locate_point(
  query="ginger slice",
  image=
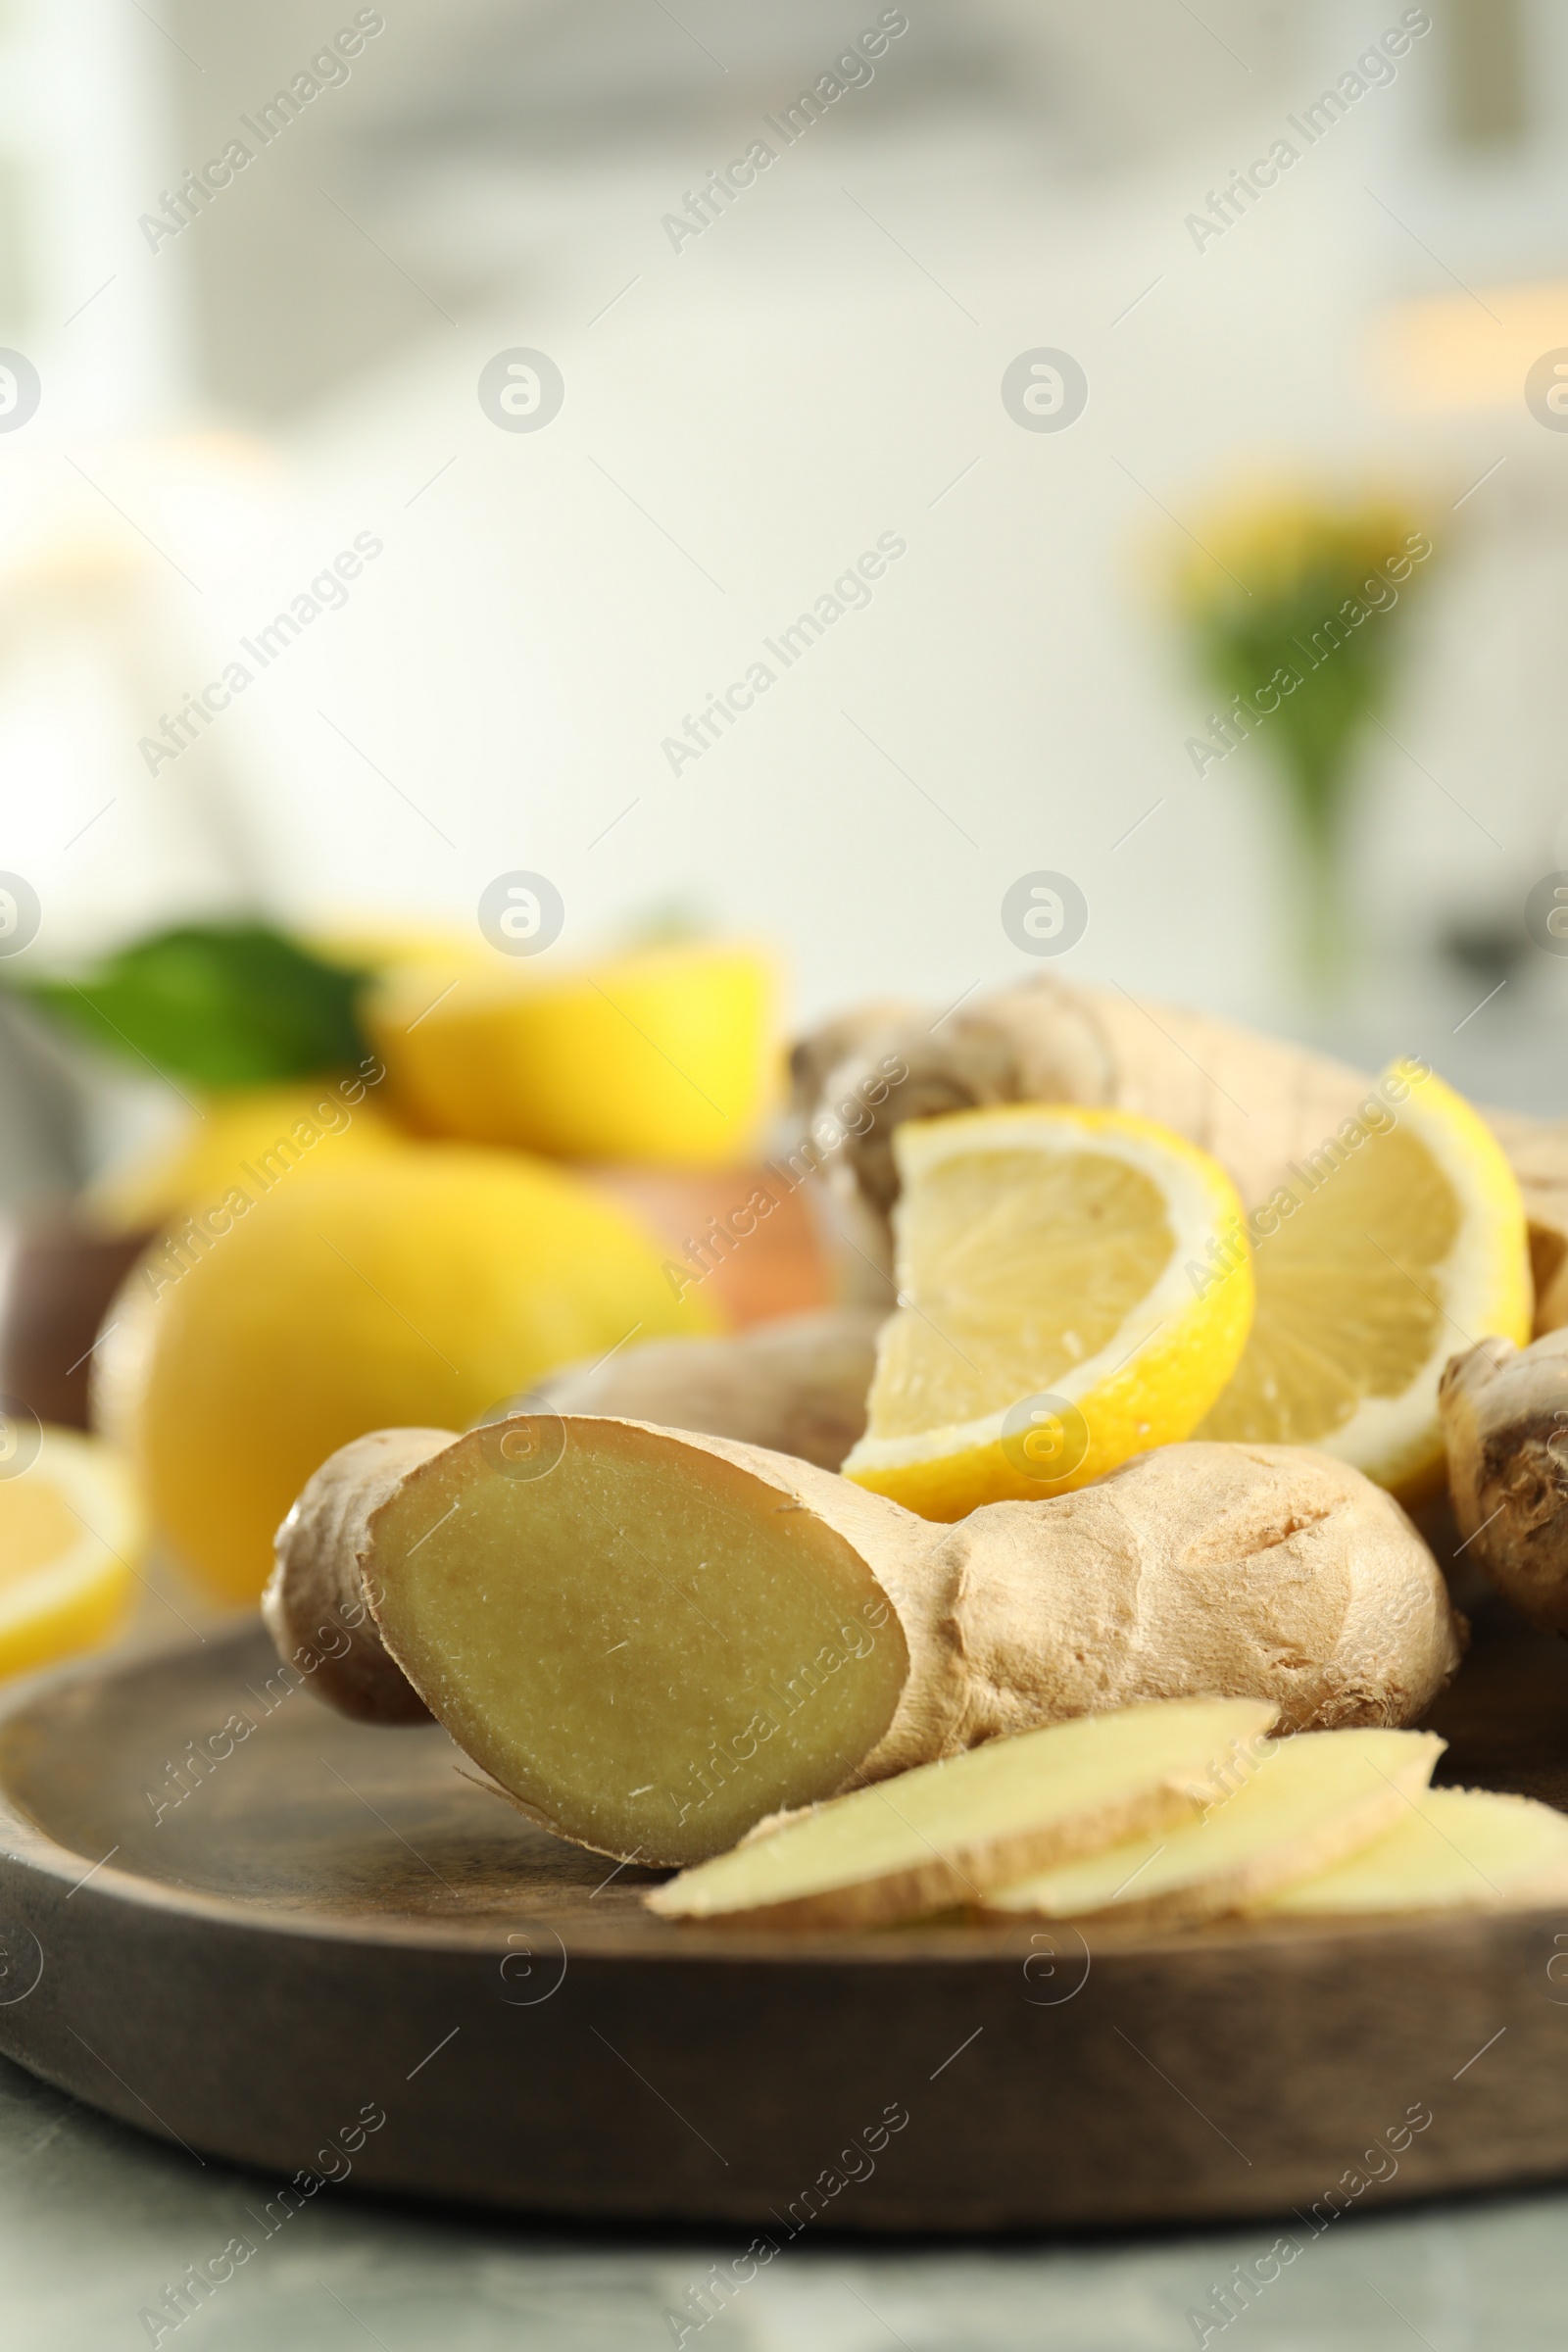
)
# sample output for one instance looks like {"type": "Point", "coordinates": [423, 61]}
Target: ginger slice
{"type": "Point", "coordinates": [1452, 1849]}
{"type": "Point", "coordinates": [643, 1641]}
{"type": "Point", "coordinates": [1315, 1799]}
{"type": "Point", "coordinates": [945, 1832]}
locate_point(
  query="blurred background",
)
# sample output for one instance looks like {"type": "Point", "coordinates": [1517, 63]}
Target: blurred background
{"type": "Point", "coordinates": [226, 399]}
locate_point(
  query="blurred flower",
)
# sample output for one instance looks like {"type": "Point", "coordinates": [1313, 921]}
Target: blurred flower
{"type": "Point", "coordinates": [1290, 603]}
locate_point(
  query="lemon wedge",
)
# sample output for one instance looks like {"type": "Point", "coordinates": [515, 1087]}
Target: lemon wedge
{"type": "Point", "coordinates": [69, 1535]}
{"type": "Point", "coordinates": [1385, 1252]}
{"type": "Point", "coordinates": [666, 1057]}
{"type": "Point", "coordinates": [1073, 1289]}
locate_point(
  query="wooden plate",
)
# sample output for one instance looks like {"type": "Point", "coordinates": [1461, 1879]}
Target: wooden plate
{"type": "Point", "coordinates": [332, 1927]}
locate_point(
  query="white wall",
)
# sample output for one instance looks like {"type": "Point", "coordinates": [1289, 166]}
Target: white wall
{"type": "Point", "coordinates": [795, 382]}
{"type": "Point", "coordinates": [776, 395]}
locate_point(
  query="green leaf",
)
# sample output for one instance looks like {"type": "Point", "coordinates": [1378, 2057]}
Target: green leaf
{"type": "Point", "coordinates": [222, 1004]}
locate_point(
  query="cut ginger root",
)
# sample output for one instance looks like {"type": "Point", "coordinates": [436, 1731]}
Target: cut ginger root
{"type": "Point", "coordinates": [941, 1835]}
{"type": "Point", "coordinates": [645, 1640]}
{"type": "Point", "coordinates": [650, 1640]}
{"type": "Point", "coordinates": [1310, 1803]}
{"type": "Point", "coordinates": [1452, 1849]}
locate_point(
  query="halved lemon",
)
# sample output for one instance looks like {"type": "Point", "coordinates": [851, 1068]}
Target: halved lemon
{"type": "Point", "coordinates": [1073, 1289]}
{"type": "Point", "coordinates": [1397, 1243]}
{"type": "Point", "coordinates": [71, 1533]}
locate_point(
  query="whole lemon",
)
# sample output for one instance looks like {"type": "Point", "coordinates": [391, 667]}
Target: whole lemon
{"type": "Point", "coordinates": [246, 1136]}
{"type": "Point", "coordinates": [417, 1290]}
{"type": "Point", "coordinates": [667, 1057]}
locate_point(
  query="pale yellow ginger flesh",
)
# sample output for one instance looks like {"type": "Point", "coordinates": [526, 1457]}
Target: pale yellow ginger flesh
{"type": "Point", "coordinates": [652, 1640]}
{"type": "Point", "coordinates": [645, 1645]}
{"type": "Point", "coordinates": [1452, 1849]}
{"type": "Point", "coordinates": [945, 1832]}
{"type": "Point", "coordinates": [1273, 1817]}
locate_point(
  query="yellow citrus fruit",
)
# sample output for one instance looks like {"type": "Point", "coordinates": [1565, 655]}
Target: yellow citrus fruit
{"type": "Point", "coordinates": [1055, 1315]}
{"type": "Point", "coordinates": [419, 1289]}
{"type": "Point", "coordinates": [669, 1055]}
{"type": "Point", "coordinates": [248, 1139]}
{"type": "Point", "coordinates": [1396, 1245]}
{"type": "Point", "coordinates": [70, 1537]}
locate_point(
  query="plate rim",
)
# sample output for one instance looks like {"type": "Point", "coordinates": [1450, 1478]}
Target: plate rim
{"type": "Point", "coordinates": [26, 1845]}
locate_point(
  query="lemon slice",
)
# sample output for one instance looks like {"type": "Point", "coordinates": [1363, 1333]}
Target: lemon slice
{"type": "Point", "coordinates": [1397, 1243]}
{"type": "Point", "coordinates": [69, 1535]}
{"type": "Point", "coordinates": [664, 1056]}
{"type": "Point", "coordinates": [1073, 1289]}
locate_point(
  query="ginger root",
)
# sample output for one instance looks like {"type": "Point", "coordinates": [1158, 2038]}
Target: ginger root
{"type": "Point", "coordinates": [1253, 1102]}
{"type": "Point", "coordinates": [318, 1604]}
{"type": "Point", "coordinates": [1504, 1414]}
{"type": "Point", "coordinates": [798, 1386]}
{"type": "Point", "coordinates": [653, 1639]}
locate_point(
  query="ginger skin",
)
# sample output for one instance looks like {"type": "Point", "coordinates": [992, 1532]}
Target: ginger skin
{"type": "Point", "coordinates": [316, 1599]}
{"type": "Point", "coordinates": [1199, 1570]}
{"type": "Point", "coordinates": [1504, 1414]}
{"type": "Point", "coordinates": [796, 1386]}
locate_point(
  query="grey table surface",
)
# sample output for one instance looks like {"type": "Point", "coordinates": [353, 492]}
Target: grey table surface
{"type": "Point", "coordinates": [96, 2221]}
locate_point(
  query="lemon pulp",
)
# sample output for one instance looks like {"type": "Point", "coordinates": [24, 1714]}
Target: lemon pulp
{"type": "Point", "coordinates": [1030, 1265]}
{"type": "Point", "coordinates": [1074, 1288]}
{"type": "Point", "coordinates": [1396, 1250]}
